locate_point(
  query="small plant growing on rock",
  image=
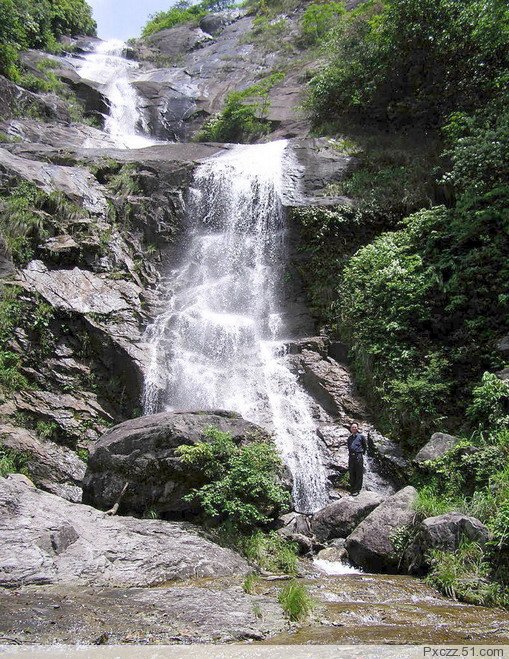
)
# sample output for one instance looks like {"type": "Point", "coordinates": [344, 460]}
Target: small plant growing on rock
{"type": "Point", "coordinates": [250, 583]}
{"type": "Point", "coordinates": [296, 601]}
{"type": "Point", "coordinates": [12, 462]}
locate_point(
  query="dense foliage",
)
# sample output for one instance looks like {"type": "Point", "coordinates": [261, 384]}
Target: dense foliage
{"type": "Point", "coordinates": [182, 12]}
{"type": "Point", "coordinates": [241, 486]}
{"type": "Point", "coordinates": [424, 300]}
{"type": "Point", "coordinates": [39, 24]}
{"type": "Point", "coordinates": [411, 60]}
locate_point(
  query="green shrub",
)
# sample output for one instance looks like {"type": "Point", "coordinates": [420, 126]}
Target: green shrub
{"type": "Point", "coordinates": [250, 583]}
{"type": "Point", "coordinates": [38, 24]}
{"type": "Point", "coordinates": [432, 501]}
{"type": "Point", "coordinates": [296, 601]}
{"type": "Point", "coordinates": [465, 575]}
{"type": "Point", "coordinates": [11, 378]}
{"type": "Point", "coordinates": [241, 486]}
{"type": "Point", "coordinates": [12, 462]}
{"type": "Point", "coordinates": [392, 60]}
{"type": "Point", "coordinates": [490, 406]}
{"type": "Point", "coordinates": [317, 19]}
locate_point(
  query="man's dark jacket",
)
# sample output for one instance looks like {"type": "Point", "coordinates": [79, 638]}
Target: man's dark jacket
{"type": "Point", "coordinates": [357, 443]}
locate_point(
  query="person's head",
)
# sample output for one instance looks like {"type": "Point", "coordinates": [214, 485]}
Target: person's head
{"type": "Point", "coordinates": [354, 428]}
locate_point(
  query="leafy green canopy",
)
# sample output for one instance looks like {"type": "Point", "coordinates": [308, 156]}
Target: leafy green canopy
{"type": "Point", "coordinates": [241, 486]}
{"type": "Point", "coordinates": [423, 306]}
{"type": "Point", "coordinates": [411, 60]}
{"type": "Point", "coordinates": [38, 24]}
{"type": "Point", "coordinates": [182, 12]}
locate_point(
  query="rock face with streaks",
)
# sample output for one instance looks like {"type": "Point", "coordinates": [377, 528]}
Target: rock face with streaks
{"type": "Point", "coordinates": [47, 540]}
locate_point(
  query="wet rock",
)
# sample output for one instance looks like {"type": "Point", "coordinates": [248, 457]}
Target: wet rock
{"type": "Point", "coordinates": [57, 135]}
{"type": "Point", "coordinates": [45, 540]}
{"type": "Point", "coordinates": [113, 308]}
{"type": "Point", "coordinates": [339, 519]}
{"type": "Point", "coordinates": [296, 528]}
{"type": "Point", "coordinates": [503, 374]}
{"type": "Point", "coordinates": [178, 40]}
{"type": "Point", "coordinates": [389, 457]}
{"type": "Point", "coordinates": [370, 546]}
{"type": "Point", "coordinates": [320, 165]}
{"type": "Point", "coordinates": [443, 532]}
{"type": "Point", "coordinates": [331, 384]}
{"type": "Point", "coordinates": [76, 183]}
{"type": "Point", "coordinates": [191, 614]}
{"type": "Point", "coordinates": [53, 468]}
{"type": "Point", "coordinates": [333, 554]}
{"type": "Point", "coordinates": [439, 444]}
{"type": "Point", "coordinates": [142, 453]}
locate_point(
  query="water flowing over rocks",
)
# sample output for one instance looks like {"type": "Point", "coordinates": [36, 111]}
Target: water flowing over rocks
{"type": "Point", "coordinates": [370, 546]}
{"type": "Point", "coordinates": [142, 453]}
{"type": "Point", "coordinates": [47, 540]}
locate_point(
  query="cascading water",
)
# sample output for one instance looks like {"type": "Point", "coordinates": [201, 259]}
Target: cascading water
{"type": "Point", "coordinates": [219, 342]}
{"type": "Point", "coordinates": [107, 66]}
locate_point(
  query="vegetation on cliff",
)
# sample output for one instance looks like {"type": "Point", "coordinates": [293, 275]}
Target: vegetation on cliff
{"type": "Point", "coordinates": [39, 24]}
{"type": "Point", "coordinates": [182, 12]}
{"type": "Point", "coordinates": [423, 304]}
{"type": "Point", "coordinates": [413, 275]}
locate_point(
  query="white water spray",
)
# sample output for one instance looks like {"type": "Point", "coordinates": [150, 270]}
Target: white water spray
{"type": "Point", "coordinates": [107, 66]}
{"type": "Point", "coordinates": [219, 343]}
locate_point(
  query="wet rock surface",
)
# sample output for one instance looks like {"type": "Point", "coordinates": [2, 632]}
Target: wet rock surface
{"type": "Point", "coordinates": [203, 64]}
{"type": "Point", "coordinates": [352, 609]}
{"type": "Point", "coordinates": [46, 540]}
{"type": "Point", "coordinates": [205, 613]}
{"type": "Point", "coordinates": [370, 546]}
{"type": "Point", "coordinates": [141, 452]}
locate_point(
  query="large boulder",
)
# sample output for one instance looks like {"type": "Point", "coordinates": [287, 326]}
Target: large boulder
{"type": "Point", "coordinates": [45, 539]}
{"type": "Point", "coordinates": [370, 546]}
{"type": "Point", "coordinates": [339, 519]}
{"type": "Point", "coordinates": [141, 452]}
{"type": "Point", "coordinates": [437, 446]}
{"type": "Point", "coordinates": [443, 532]}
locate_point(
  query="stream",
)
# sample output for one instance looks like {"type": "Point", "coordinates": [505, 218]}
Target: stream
{"type": "Point", "coordinates": [219, 342]}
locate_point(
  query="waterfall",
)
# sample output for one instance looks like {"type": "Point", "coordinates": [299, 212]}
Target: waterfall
{"type": "Point", "coordinates": [219, 343]}
{"type": "Point", "coordinates": [107, 66]}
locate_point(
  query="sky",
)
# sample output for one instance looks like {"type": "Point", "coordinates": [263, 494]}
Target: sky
{"type": "Point", "coordinates": [122, 19]}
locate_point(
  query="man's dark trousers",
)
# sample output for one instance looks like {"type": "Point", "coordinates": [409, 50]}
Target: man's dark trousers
{"type": "Point", "coordinates": [356, 470]}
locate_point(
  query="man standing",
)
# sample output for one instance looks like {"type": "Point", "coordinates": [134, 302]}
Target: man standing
{"type": "Point", "coordinates": [357, 446]}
